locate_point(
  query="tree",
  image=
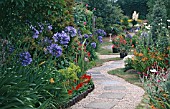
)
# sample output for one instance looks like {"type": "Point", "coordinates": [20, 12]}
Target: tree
{"type": "Point", "coordinates": [158, 19]}
{"type": "Point", "coordinates": [151, 3]}
{"type": "Point", "coordinates": [129, 6]}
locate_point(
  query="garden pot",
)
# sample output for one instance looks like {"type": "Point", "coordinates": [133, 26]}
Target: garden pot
{"type": "Point", "coordinates": [123, 54]}
{"type": "Point", "coordinates": [115, 50]}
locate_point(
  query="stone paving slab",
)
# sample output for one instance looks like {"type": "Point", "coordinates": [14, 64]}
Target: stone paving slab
{"type": "Point", "coordinates": [93, 72]}
{"type": "Point", "coordinates": [108, 82]}
{"type": "Point", "coordinates": [114, 88]}
{"type": "Point", "coordinates": [111, 95]}
{"type": "Point", "coordinates": [100, 105]}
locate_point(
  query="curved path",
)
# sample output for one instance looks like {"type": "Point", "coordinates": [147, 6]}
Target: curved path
{"type": "Point", "coordinates": [111, 92]}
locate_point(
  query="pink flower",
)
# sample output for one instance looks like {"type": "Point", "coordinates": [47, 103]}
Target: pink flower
{"type": "Point", "coordinates": [94, 9]}
{"type": "Point", "coordinates": [159, 81]}
{"type": "Point", "coordinates": [85, 23]}
{"type": "Point", "coordinates": [139, 73]}
{"type": "Point", "coordinates": [87, 5]}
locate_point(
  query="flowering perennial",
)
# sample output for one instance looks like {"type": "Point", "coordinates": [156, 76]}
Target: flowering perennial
{"type": "Point", "coordinates": [93, 44]}
{"type": "Point", "coordinates": [71, 31]}
{"type": "Point", "coordinates": [55, 50]}
{"type": "Point", "coordinates": [25, 58]}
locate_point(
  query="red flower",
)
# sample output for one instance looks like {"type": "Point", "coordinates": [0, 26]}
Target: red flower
{"type": "Point", "coordinates": [113, 46]}
{"type": "Point", "coordinates": [86, 78]}
{"type": "Point", "coordinates": [79, 86]}
{"type": "Point", "coordinates": [70, 92]}
{"type": "Point", "coordinates": [88, 54]}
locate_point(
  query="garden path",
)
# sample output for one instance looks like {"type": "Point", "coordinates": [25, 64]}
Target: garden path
{"type": "Point", "coordinates": [111, 92]}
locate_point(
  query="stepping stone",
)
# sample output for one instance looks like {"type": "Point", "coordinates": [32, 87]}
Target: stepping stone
{"type": "Point", "coordinates": [110, 82]}
{"type": "Point", "coordinates": [100, 105]}
{"type": "Point", "coordinates": [114, 88]}
{"type": "Point", "coordinates": [111, 95]}
{"type": "Point", "coordinates": [103, 78]}
{"type": "Point", "coordinates": [93, 73]}
{"type": "Point", "coordinates": [98, 76]}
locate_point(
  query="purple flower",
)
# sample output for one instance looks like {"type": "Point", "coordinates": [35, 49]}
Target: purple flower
{"type": "Point", "coordinates": [86, 36]}
{"type": "Point", "coordinates": [101, 32]}
{"type": "Point", "coordinates": [71, 31]}
{"type": "Point", "coordinates": [93, 44]}
{"type": "Point", "coordinates": [100, 39]}
{"type": "Point", "coordinates": [129, 36]}
{"type": "Point", "coordinates": [144, 34]}
{"type": "Point", "coordinates": [36, 33]}
{"type": "Point", "coordinates": [62, 38]}
{"type": "Point", "coordinates": [25, 58]}
{"type": "Point", "coordinates": [55, 50]}
{"type": "Point", "coordinates": [56, 37]}
{"type": "Point", "coordinates": [41, 27]}
{"type": "Point", "coordinates": [50, 27]}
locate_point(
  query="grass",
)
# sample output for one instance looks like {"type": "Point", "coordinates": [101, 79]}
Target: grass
{"type": "Point", "coordinates": [99, 62]}
{"type": "Point", "coordinates": [133, 78]}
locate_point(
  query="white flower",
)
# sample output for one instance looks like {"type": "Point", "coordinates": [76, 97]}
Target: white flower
{"type": "Point", "coordinates": [153, 70]}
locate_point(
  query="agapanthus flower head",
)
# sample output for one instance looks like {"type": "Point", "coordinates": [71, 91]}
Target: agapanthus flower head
{"type": "Point", "coordinates": [100, 39]}
{"type": "Point", "coordinates": [62, 38]}
{"type": "Point", "coordinates": [71, 31]}
{"type": "Point", "coordinates": [86, 36]}
{"type": "Point", "coordinates": [129, 36]}
{"type": "Point", "coordinates": [144, 34]}
{"type": "Point", "coordinates": [41, 27]}
{"type": "Point", "coordinates": [93, 44]}
{"type": "Point", "coordinates": [36, 33]}
{"type": "Point", "coordinates": [25, 58]}
{"type": "Point", "coordinates": [55, 50]}
{"type": "Point", "coordinates": [101, 32]}
{"type": "Point", "coordinates": [46, 40]}
{"type": "Point", "coordinates": [50, 27]}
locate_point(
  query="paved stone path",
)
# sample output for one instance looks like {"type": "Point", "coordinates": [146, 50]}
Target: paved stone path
{"type": "Point", "coordinates": [111, 92]}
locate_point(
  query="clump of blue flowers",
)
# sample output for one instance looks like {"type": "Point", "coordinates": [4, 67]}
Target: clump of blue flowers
{"type": "Point", "coordinates": [100, 32]}
{"type": "Point", "coordinates": [62, 38]}
{"type": "Point", "coordinates": [25, 58]}
{"type": "Point", "coordinates": [100, 39]}
{"type": "Point", "coordinates": [71, 31]}
{"type": "Point", "coordinates": [55, 50]}
{"type": "Point", "coordinates": [86, 36]}
{"type": "Point", "coordinates": [93, 44]}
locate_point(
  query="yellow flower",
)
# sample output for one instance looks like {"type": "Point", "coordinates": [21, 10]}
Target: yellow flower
{"type": "Point", "coordinates": [52, 80]}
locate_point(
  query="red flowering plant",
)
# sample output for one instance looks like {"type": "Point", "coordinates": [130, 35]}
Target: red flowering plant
{"type": "Point", "coordinates": [154, 82]}
{"type": "Point", "coordinates": [122, 43]}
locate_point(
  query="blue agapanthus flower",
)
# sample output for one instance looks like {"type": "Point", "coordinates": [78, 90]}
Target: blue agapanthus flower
{"type": "Point", "coordinates": [25, 58]}
{"type": "Point", "coordinates": [144, 34]}
{"type": "Point", "coordinates": [35, 35]}
{"type": "Point", "coordinates": [62, 38]}
{"type": "Point", "coordinates": [100, 39]}
{"type": "Point", "coordinates": [71, 31]}
{"type": "Point", "coordinates": [93, 44]}
{"type": "Point", "coordinates": [55, 50]}
{"type": "Point", "coordinates": [101, 32]}
{"type": "Point", "coordinates": [50, 27]}
{"type": "Point", "coordinates": [86, 36]}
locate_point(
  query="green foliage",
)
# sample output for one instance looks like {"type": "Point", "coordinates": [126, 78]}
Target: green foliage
{"type": "Point", "coordinates": [13, 17]}
{"type": "Point", "coordinates": [129, 6]}
{"type": "Point", "coordinates": [158, 20]}
{"type": "Point", "coordinates": [71, 73]}
{"type": "Point", "coordinates": [125, 21]}
{"type": "Point", "coordinates": [108, 11]}
{"type": "Point", "coordinates": [151, 3]}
